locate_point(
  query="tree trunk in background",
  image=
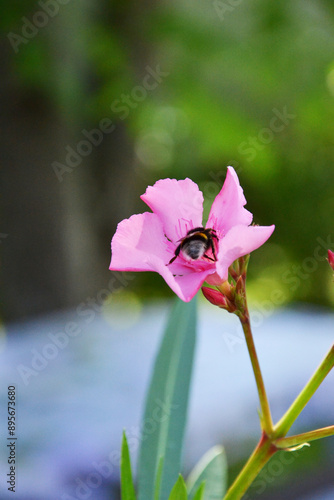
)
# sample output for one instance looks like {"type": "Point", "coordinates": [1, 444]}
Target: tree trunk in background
{"type": "Point", "coordinates": [34, 270]}
{"type": "Point", "coordinates": [50, 256]}
{"type": "Point", "coordinates": [57, 251]}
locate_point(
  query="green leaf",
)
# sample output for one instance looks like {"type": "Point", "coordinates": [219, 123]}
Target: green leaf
{"type": "Point", "coordinates": [158, 480]}
{"type": "Point", "coordinates": [179, 491]}
{"type": "Point", "coordinates": [127, 487]}
{"type": "Point", "coordinates": [166, 405]}
{"type": "Point", "coordinates": [199, 495]}
{"type": "Point", "coordinates": [212, 468]}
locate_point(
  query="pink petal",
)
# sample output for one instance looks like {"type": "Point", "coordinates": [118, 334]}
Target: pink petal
{"type": "Point", "coordinates": [214, 279]}
{"type": "Point", "coordinates": [189, 285]}
{"type": "Point", "coordinates": [227, 209]}
{"type": "Point", "coordinates": [179, 205]}
{"type": "Point", "coordinates": [239, 241]}
{"type": "Point", "coordinates": [185, 286]}
{"type": "Point", "coordinates": [139, 244]}
{"type": "Point", "coordinates": [331, 258]}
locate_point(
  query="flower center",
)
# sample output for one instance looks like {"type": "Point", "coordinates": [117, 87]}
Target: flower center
{"type": "Point", "coordinates": [199, 243]}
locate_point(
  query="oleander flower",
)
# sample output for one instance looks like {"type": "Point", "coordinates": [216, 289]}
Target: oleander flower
{"type": "Point", "coordinates": [172, 241]}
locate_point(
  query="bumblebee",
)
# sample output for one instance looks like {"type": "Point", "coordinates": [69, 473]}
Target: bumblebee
{"type": "Point", "coordinates": [196, 243]}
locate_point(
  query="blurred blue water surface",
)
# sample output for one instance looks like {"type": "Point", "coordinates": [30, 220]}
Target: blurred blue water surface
{"type": "Point", "coordinates": [77, 391]}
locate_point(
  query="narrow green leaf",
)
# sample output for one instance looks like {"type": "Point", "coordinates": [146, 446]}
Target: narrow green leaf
{"type": "Point", "coordinates": [179, 491]}
{"type": "Point", "coordinates": [166, 405]}
{"type": "Point", "coordinates": [158, 480]}
{"type": "Point", "coordinates": [199, 495]}
{"type": "Point", "coordinates": [127, 487]}
{"type": "Point", "coordinates": [212, 468]}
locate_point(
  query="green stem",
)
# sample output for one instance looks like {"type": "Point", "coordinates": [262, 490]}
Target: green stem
{"type": "Point", "coordinates": [282, 427]}
{"type": "Point", "coordinates": [291, 441]}
{"type": "Point", "coordinates": [272, 436]}
{"type": "Point", "coordinates": [266, 420]}
{"type": "Point", "coordinates": [260, 456]}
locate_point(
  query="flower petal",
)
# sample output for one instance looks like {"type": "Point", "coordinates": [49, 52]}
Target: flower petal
{"type": "Point", "coordinates": [187, 286]}
{"type": "Point", "coordinates": [228, 207]}
{"type": "Point", "coordinates": [215, 280]}
{"type": "Point", "coordinates": [179, 205]}
{"type": "Point", "coordinates": [331, 258]}
{"type": "Point", "coordinates": [139, 244]}
{"type": "Point", "coordinates": [239, 241]}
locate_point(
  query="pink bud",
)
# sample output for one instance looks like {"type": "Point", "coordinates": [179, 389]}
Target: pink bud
{"type": "Point", "coordinates": [331, 258]}
{"type": "Point", "coordinates": [216, 298]}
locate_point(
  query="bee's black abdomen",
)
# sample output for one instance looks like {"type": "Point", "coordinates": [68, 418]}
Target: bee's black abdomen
{"type": "Point", "coordinates": [195, 248]}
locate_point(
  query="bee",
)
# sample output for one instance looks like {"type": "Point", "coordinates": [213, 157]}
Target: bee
{"type": "Point", "coordinates": [196, 243]}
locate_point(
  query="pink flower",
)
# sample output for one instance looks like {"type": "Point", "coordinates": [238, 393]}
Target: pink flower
{"type": "Point", "coordinates": [159, 241]}
{"type": "Point", "coordinates": [331, 258]}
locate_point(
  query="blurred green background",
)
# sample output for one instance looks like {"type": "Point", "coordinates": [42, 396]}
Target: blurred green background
{"type": "Point", "coordinates": [162, 89]}
{"type": "Point", "coordinates": [100, 99]}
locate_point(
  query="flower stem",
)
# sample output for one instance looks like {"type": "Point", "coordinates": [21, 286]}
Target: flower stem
{"type": "Point", "coordinates": [237, 294]}
{"type": "Point", "coordinates": [263, 452]}
{"type": "Point", "coordinates": [266, 420]}
{"type": "Point", "coordinates": [282, 427]}
{"type": "Point", "coordinates": [260, 456]}
{"type": "Point", "coordinates": [273, 437]}
{"type": "Point", "coordinates": [288, 442]}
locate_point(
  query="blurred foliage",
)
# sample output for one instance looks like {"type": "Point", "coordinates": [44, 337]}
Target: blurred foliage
{"type": "Point", "coordinates": [232, 71]}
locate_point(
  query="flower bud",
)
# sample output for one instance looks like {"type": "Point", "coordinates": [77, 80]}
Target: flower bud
{"type": "Point", "coordinates": [240, 286]}
{"type": "Point", "coordinates": [227, 290]}
{"type": "Point", "coordinates": [216, 298]}
{"type": "Point", "coordinates": [331, 259]}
